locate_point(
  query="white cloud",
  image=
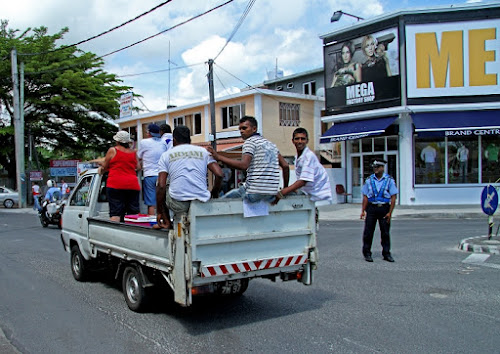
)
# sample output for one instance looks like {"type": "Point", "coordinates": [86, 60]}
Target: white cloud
{"type": "Point", "coordinates": [286, 30]}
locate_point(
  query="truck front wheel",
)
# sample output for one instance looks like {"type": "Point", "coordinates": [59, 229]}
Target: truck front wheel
{"type": "Point", "coordinates": [133, 289]}
{"type": "Point", "coordinates": [78, 264]}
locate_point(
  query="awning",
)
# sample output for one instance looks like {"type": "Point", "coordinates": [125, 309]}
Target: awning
{"type": "Point", "coordinates": [356, 129]}
{"type": "Point", "coordinates": [467, 123]}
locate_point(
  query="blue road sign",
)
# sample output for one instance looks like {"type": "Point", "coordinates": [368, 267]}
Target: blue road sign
{"type": "Point", "coordinates": [489, 200]}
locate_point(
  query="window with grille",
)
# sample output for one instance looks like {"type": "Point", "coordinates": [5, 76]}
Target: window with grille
{"type": "Point", "coordinates": [231, 115]}
{"type": "Point", "coordinates": [289, 114]}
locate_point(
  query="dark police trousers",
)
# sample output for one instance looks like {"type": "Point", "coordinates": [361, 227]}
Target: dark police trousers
{"type": "Point", "coordinates": [373, 213]}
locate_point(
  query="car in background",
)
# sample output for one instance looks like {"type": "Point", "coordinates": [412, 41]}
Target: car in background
{"type": "Point", "coordinates": [8, 197]}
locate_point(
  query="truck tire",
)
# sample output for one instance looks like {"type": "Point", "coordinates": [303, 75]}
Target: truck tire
{"type": "Point", "coordinates": [78, 264]}
{"type": "Point", "coordinates": [133, 289]}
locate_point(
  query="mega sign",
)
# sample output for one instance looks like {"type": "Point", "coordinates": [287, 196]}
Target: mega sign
{"type": "Point", "coordinates": [453, 59]}
{"type": "Point", "coordinates": [362, 72]}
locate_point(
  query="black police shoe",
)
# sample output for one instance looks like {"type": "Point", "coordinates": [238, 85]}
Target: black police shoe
{"type": "Point", "coordinates": [388, 258]}
{"type": "Point", "coordinates": [368, 258]}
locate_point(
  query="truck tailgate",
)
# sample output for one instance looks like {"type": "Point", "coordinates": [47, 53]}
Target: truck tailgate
{"type": "Point", "coordinates": [227, 245]}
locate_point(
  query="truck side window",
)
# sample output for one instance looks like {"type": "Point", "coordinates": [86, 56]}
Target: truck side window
{"type": "Point", "coordinates": [81, 196]}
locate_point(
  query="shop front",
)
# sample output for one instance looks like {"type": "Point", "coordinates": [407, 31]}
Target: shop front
{"type": "Point", "coordinates": [431, 109]}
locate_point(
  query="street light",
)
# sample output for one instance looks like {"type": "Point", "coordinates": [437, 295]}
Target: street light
{"type": "Point", "coordinates": [338, 14]}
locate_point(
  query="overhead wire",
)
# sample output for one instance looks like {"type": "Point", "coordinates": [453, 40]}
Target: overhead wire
{"type": "Point", "coordinates": [237, 26]}
{"type": "Point", "coordinates": [161, 70]}
{"type": "Point", "coordinates": [133, 44]}
{"type": "Point", "coordinates": [259, 90]}
{"type": "Point", "coordinates": [169, 29]}
{"type": "Point", "coordinates": [100, 34]}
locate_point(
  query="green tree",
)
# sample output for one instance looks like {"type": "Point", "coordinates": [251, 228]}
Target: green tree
{"type": "Point", "coordinates": [69, 100]}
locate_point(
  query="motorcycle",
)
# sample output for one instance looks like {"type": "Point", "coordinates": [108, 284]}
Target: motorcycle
{"type": "Point", "coordinates": [51, 213]}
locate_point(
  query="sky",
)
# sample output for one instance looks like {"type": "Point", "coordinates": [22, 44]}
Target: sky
{"type": "Point", "coordinates": [274, 32]}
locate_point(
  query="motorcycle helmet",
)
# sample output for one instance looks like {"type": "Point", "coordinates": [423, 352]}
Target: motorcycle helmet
{"type": "Point", "coordinates": [51, 183]}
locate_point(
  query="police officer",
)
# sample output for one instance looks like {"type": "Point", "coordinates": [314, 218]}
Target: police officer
{"type": "Point", "coordinates": [379, 199]}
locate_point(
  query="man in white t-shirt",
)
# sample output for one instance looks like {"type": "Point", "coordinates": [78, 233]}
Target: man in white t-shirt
{"type": "Point", "coordinates": [149, 153]}
{"type": "Point", "coordinates": [312, 178]}
{"type": "Point", "coordinates": [185, 166]}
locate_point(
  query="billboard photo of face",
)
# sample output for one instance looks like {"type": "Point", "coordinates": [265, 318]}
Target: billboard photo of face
{"type": "Point", "coordinates": [363, 70]}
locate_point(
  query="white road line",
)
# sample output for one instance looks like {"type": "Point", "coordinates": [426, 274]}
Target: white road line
{"type": "Point", "coordinates": [476, 258]}
{"type": "Point", "coordinates": [479, 259]}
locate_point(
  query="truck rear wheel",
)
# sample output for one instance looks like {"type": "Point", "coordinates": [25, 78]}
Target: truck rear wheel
{"type": "Point", "coordinates": [133, 289]}
{"type": "Point", "coordinates": [78, 264]}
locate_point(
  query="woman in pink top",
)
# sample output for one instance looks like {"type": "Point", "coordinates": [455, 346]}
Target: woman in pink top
{"type": "Point", "coordinates": [122, 186]}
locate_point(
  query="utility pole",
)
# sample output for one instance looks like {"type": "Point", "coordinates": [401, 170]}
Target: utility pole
{"type": "Point", "coordinates": [212, 101]}
{"type": "Point", "coordinates": [18, 134]}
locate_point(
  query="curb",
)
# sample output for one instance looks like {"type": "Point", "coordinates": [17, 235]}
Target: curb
{"type": "Point", "coordinates": [480, 244]}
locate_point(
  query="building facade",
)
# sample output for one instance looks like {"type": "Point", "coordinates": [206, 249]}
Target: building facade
{"type": "Point", "coordinates": [277, 113]}
{"type": "Point", "coordinates": [419, 88]}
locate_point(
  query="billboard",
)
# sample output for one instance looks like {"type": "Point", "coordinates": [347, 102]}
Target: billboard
{"type": "Point", "coordinates": [363, 72]}
{"type": "Point", "coordinates": [453, 59]}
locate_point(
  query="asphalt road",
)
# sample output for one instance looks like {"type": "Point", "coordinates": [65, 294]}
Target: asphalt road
{"type": "Point", "coordinates": [428, 301]}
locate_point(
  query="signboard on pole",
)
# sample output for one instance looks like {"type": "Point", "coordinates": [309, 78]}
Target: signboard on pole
{"type": "Point", "coordinates": [126, 105]}
{"type": "Point", "coordinates": [489, 200]}
{"type": "Point", "coordinates": [36, 176]}
{"type": "Point", "coordinates": [62, 168]}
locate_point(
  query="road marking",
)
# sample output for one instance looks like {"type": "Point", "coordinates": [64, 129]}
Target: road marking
{"type": "Point", "coordinates": [479, 259]}
{"type": "Point", "coordinates": [476, 258]}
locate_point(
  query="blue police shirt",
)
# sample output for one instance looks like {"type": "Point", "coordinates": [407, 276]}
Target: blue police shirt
{"type": "Point", "coordinates": [389, 191]}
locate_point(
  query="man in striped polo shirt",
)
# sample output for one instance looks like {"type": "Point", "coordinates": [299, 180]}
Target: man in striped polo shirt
{"type": "Point", "coordinates": [261, 160]}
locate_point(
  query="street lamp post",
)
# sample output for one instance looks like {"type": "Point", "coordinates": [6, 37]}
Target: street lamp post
{"type": "Point", "coordinates": [338, 14]}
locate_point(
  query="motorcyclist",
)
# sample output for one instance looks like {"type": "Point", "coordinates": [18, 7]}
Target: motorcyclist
{"type": "Point", "coordinates": [51, 207]}
{"type": "Point", "coordinates": [53, 193]}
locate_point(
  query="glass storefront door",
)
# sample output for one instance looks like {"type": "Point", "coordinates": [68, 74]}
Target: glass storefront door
{"type": "Point", "coordinates": [363, 151]}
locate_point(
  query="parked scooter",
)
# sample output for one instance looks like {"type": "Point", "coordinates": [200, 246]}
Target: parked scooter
{"type": "Point", "coordinates": [52, 209]}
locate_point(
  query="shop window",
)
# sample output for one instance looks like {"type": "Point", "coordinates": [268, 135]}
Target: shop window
{"type": "Point", "coordinates": [490, 151]}
{"type": "Point", "coordinates": [379, 144]}
{"type": "Point", "coordinates": [392, 143]}
{"type": "Point", "coordinates": [430, 161]}
{"type": "Point", "coordinates": [231, 115]}
{"type": "Point", "coordinates": [289, 114]}
{"type": "Point", "coordinates": [462, 160]}
{"type": "Point", "coordinates": [366, 145]}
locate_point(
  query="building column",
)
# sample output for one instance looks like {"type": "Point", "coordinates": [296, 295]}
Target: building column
{"type": "Point", "coordinates": [258, 113]}
{"type": "Point", "coordinates": [406, 165]}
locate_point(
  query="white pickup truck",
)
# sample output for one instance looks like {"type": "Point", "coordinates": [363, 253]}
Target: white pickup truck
{"type": "Point", "coordinates": [211, 249]}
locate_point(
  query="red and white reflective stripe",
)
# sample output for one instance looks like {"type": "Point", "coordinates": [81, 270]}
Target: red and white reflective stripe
{"type": "Point", "coordinates": [224, 269]}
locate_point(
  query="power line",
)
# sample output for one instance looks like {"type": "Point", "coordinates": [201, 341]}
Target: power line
{"type": "Point", "coordinates": [260, 91]}
{"type": "Point", "coordinates": [237, 26]}
{"type": "Point", "coordinates": [160, 71]}
{"type": "Point", "coordinates": [131, 45]}
{"type": "Point", "coordinates": [101, 34]}
{"type": "Point", "coordinates": [168, 29]}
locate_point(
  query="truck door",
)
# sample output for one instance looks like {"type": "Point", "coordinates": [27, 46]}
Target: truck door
{"type": "Point", "coordinates": [76, 213]}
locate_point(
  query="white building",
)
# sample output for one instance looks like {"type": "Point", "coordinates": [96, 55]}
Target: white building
{"type": "Point", "coordinates": [419, 88]}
